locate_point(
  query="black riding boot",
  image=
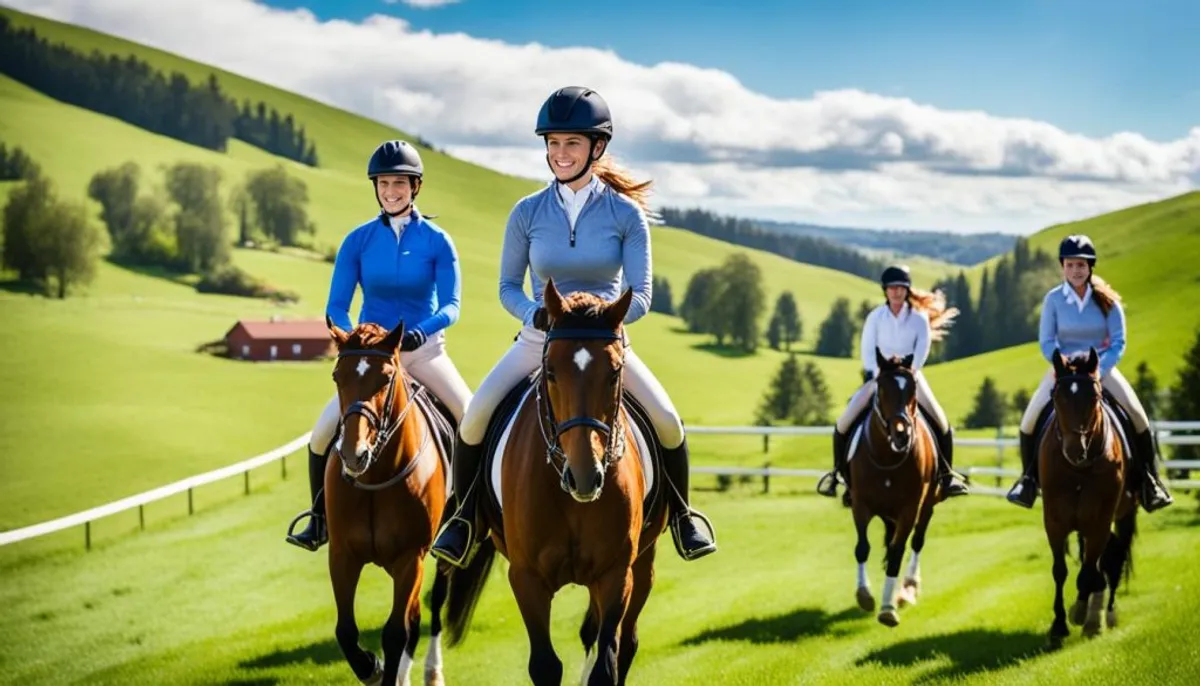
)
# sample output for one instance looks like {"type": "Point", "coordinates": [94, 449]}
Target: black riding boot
{"type": "Point", "coordinates": [1154, 493]}
{"type": "Point", "coordinates": [1024, 492]}
{"type": "Point", "coordinates": [316, 534]}
{"type": "Point", "coordinates": [457, 541]}
{"type": "Point", "coordinates": [690, 541]}
{"type": "Point", "coordinates": [827, 486]}
{"type": "Point", "coordinates": [951, 484]}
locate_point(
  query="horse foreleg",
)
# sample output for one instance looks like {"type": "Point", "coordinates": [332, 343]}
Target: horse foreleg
{"type": "Point", "coordinates": [862, 551]}
{"type": "Point", "coordinates": [1091, 579]}
{"type": "Point", "coordinates": [643, 581]}
{"type": "Point", "coordinates": [612, 592]}
{"type": "Point", "coordinates": [1117, 556]}
{"type": "Point", "coordinates": [897, 543]}
{"type": "Point", "coordinates": [344, 572]}
{"type": "Point", "coordinates": [911, 588]}
{"type": "Point", "coordinates": [433, 659]}
{"type": "Point", "coordinates": [533, 599]}
{"type": "Point", "coordinates": [402, 628]}
{"type": "Point", "coordinates": [589, 633]}
{"type": "Point", "coordinates": [1056, 535]}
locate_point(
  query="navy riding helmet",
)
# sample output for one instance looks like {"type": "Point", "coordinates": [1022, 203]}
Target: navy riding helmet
{"type": "Point", "coordinates": [1077, 245]}
{"type": "Point", "coordinates": [896, 275]}
{"type": "Point", "coordinates": [575, 109]}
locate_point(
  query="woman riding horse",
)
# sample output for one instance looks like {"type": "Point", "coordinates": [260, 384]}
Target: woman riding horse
{"type": "Point", "coordinates": [408, 270]}
{"type": "Point", "coordinates": [1085, 312]}
{"type": "Point", "coordinates": [906, 324]}
{"type": "Point", "coordinates": [586, 230]}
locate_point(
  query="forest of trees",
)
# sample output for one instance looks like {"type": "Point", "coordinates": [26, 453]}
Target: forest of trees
{"type": "Point", "coordinates": [806, 249]}
{"type": "Point", "coordinates": [15, 164]}
{"type": "Point", "coordinates": [129, 89]}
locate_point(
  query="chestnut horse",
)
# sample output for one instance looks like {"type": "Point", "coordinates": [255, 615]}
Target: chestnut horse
{"type": "Point", "coordinates": [893, 466]}
{"type": "Point", "coordinates": [572, 488]}
{"type": "Point", "coordinates": [1083, 471]}
{"type": "Point", "coordinates": [384, 499]}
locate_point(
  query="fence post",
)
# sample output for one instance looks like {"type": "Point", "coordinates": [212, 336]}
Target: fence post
{"type": "Point", "coordinates": [767, 477]}
{"type": "Point", "coordinates": [999, 452]}
{"type": "Point", "coordinates": [190, 508]}
{"type": "Point", "coordinates": [142, 517]}
{"type": "Point", "coordinates": [87, 535]}
{"type": "Point", "coordinates": [246, 481]}
{"type": "Point", "coordinates": [766, 443]}
{"type": "Point", "coordinates": [283, 465]}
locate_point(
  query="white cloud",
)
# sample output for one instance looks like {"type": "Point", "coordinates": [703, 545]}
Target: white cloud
{"type": "Point", "coordinates": [843, 156]}
{"type": "Point", "coordinates": [423, 4]}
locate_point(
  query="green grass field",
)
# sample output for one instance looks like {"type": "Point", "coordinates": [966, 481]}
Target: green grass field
{"type": "Point", "coordinates": [219, 598]}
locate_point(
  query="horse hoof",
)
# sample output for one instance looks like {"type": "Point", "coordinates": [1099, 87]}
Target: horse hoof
{"type": "Point", "coordinates": [376, 678]}
{"type": "Point", "coordinates": [1091, 629]}
{"type": "Point", "coordinates": [1054, 641]}
{"type": "Point", "coordinates": [866, 601]}
{"type": "Point", "coordinates": [1110, 618]}
{"type": "Point", "coordinates": [888, 617]}
{"type": "Point", "coordinates": [907, 595]}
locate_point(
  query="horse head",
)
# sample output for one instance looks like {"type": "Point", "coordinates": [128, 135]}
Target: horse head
{"type": "Point", "coordinates": [582, 364]}
{"type": "Point", "coordinates": [366, 373]}
{"type": "Point", "coordinates": [896, 400]}
{"type": "Point", "coordinates": [1076, 397]}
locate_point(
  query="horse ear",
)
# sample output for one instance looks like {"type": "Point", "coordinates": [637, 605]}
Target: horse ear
{"type": "Point", "coordinates": [880, 360]}
{"type": "Point", "coordinates": [1060, 367]}
{"type": "Point", "coordinates": [392, 340]}
{"type": "Point", "coordinates": [552, 299]}
{"type": "Point", "coordinates": [339, 337]}
{"type": "Point", "coordinates": [907, 361]}
{"type": "Point", "coordinates": [615, 312]}
{"type": "Point", "coordinates": [1093, 360]}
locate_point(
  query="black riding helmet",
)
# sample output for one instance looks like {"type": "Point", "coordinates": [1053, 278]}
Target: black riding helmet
{"type": "Point", "coordinates": [576, 109]}
{"type": "Point", "coordinates": [896, 275]}
{"type": "Point", "coordinates": [1077, 245]}
{"type": "Point", "coordinates": [396, 157]}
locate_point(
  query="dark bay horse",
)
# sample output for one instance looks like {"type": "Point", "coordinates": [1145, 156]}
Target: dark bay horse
{"type": "Point", "coordinates": [572, 489]}
{"type": "Point", "coordinates": [1083, 468]}
{"type": "Point", "coordinates": [384, 499]}
{"type": "Point", "coordinates": [893, 462]}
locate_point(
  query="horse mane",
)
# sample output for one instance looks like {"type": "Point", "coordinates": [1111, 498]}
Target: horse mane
{"type": "Point", "coordinates": [365, 336]}
{"type": "Point", "coordinates": [583, 310]}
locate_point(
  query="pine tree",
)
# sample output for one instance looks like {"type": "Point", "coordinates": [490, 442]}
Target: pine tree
{"type": "Point", "coordinates": [836, 338]}
{"type": "Point", "coordinates": [1185, 397]}
{"type": "Point", "coordinates": [989, 407]}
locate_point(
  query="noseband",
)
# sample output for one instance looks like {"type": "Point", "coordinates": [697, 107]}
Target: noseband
{"type": "Point", "coordinates": [552, 430]}
{"type": "Point", "coordinates": [381, 423]}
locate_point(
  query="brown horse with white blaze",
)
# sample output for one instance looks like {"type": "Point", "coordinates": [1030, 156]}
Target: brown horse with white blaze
{"type": "Point", "coordinates": [893, 462]}
{"type": "Point", "coordinates": [1083, 468]}
{"type": "Point", "coordinates": [572, 486]}
{"type": "Point", "coordinates": [384, 499]}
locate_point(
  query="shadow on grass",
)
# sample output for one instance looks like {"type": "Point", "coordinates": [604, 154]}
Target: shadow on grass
{"type": "Point", "coordinates": [320, 653]}
{"type": "Point", "coordinates": [803, 622]}
{"type": "Point", "coordinates": [721, 350]}
{"type": "Point", "coordinates": [970, 652]}
{"type": "Point", "coordinates": [22, 287]}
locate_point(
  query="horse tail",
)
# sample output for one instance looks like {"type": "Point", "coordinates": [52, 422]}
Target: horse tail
{"type": "Point", "coordinates": [466, 585]}
{"type": "Point", "coordinates": [1126, 530]}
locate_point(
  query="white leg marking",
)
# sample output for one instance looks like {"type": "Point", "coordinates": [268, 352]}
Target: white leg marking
{"type": "Point", "coordinates": [582, 358]}
{"type": "Point", "coordinates": [914, 565]}
{"type": "Point", "coordinates": [362, 367]}
{"type": "Point", "coordinates": [889, 592]}
{"type": "Point", "coordinates": [405, 666]}
{"type": "Point", "coordinates": [588, 665]}
{"type": "Point", "coordinates": [862, 575]}
{"type": "Point", "coordinates": [433, 660]}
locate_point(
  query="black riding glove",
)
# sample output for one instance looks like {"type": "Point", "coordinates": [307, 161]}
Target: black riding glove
{"type": "Point", "coordinates": [412, 340]}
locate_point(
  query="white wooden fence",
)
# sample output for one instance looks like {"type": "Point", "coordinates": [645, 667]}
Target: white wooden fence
{"type": "Point", "coordinates": [1167, 436]}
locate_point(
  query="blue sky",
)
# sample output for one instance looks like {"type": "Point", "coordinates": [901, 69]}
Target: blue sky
{"type": "Point", "coordinates": [960, 116]}
{"type": "Point", "coordinates": [1094, 68]}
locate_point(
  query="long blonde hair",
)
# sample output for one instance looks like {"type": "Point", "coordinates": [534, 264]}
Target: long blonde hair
{"type": "Point", "coordinates": [933, 304]}
{"type": "Point", "coordinates": [1104, 294]}
{"type": "Point", "coordinates": [620, 180]}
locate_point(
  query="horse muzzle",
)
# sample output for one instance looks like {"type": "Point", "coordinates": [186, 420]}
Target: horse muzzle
{"type": "Point", "coordinates": [357, 463]}
{"type": "Point", "coordinates": [901, 434]}
{"type": "Point", "coordinates": [585, 489]}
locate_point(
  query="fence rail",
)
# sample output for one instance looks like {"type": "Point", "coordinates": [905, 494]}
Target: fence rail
{"type": "Point", "coordinates": [1166, 430]}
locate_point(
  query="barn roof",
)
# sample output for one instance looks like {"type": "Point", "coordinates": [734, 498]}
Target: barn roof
{"type": "Point", "coordinates": [285, 329]}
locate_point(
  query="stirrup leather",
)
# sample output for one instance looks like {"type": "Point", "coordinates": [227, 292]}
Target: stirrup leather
{"type": "Point", "coordinates": [712, 534]}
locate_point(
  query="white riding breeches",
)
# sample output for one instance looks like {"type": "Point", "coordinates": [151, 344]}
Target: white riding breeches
{"type": "Point", "coordinates": [925, 399]}
{"type": "Point", "coordinates": [1114, 382]}
{"type": "Point", "coordinates": [429, 365]}
{"type": "Point", "coordinates": [525, 355]}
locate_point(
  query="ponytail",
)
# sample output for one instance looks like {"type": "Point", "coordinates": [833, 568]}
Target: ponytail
{"type": "Point", "coordinates": [933, 304]}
